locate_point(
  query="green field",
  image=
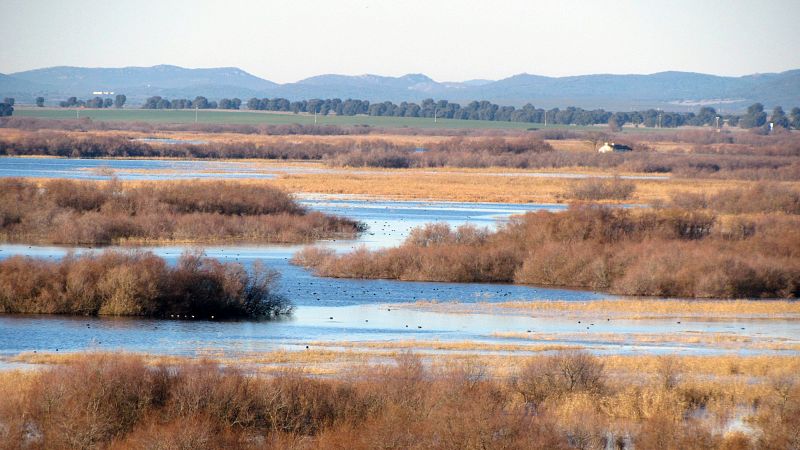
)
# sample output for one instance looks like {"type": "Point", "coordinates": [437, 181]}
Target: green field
{"type": "Point", "coordinates": [259, 117]}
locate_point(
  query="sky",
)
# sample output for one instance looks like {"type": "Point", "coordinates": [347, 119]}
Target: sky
{"type": "Point", "coordinates": [288, 40]}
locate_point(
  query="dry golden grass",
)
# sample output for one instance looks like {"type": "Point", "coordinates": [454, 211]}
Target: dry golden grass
{"type": "Point", "coordinates": [478, 186]}
{"type": "Point", "coordinates": [716, 365]}
{"type": "Point", "coordinates": [629, 308]}
{"type": "Point", "coordinates": [464, 185]}
{"type": "Point", "coordinates": [52, 358]}
{"type": "Point", "coordinates": [13, 134]}
{"type": "Point", "coordinates": [437, 345]}
{"type": "Point", "coordinates": [716, 340]}
{"type": "Point", "coordinates": [340, 357]}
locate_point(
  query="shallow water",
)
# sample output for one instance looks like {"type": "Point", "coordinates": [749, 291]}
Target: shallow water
{"type": "Point", "coordinates": [361, 309]}
{"type": "Point", "coordinates": [370, 322]}
{"type": "Point", "coordinates": [165, 169]}
{"type": "Point", "coordinates": [389, 222]}
{"type": "Point", "coordinates": [170, 141]}
{"type": "Point", "coordinates": [124, 169]}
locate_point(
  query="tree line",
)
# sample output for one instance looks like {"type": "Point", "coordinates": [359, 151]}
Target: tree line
{"type": "Point", "coordinates": [199, 102]}
{"type": "Point", "coordinates": [755, 117]}
{"type": "Point", "coordinates": [96, 102]}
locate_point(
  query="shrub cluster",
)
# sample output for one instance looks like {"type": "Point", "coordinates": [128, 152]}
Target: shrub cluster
{"type": "Point", "coordinates": [663, 252]}
{"type": "Point", "coordinates": [81, 212]}
{"type": "Point", "coordinates": [557, 402]}
{"type": "Point", "coordinates": [138, 284]}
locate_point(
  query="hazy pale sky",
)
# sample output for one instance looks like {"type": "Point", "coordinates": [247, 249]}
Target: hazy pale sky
{"type": "Point", "coordinates": [287, 40]}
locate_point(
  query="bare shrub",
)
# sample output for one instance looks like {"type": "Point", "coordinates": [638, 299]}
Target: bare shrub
{"type": "Point", "coordinates": [601, 189]}
{"type": "Point", "coordinates": [138, 284]}
{"type": "Point", "coordinates": [563, 373]}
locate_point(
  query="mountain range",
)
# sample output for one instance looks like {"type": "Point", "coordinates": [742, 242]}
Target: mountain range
{"type": "Point", "coordinates": [665, 90]}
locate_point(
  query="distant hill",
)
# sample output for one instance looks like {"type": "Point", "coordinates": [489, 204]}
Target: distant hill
{"type": "Point", "coordinates": [666, 90]}
{"type": "Point", "coordinates": [12, 86]}
{"type": "Point", "coordinates": [139, 82]}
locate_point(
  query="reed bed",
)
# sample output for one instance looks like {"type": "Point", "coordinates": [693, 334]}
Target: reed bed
{"type": "Point", "coordinates": [666, 252]}
{"type": "Point", "coordinates": [114, 212]}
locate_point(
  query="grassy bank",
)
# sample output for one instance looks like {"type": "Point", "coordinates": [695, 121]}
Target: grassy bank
{"type": "Point", "coordinates": [565, 400]}
{"type": "Point", "coordinates": [79, 212]}
{"type": "Point", "coordinates": [138, 284]}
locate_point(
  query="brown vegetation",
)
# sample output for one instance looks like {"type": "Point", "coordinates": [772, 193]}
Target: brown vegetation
{"type": "Point", "coordinates": [663, 252]}
{"type": "Point", "coordinates": [138, 284]}
{"type": "Point", "coordinates": [697, 154]}
{"type": "Point", "coordinates": [567, 400]}
{"type": "Point", "coordinates": [758, 198]}
{"type": "Point", "coordinates": [601, 189]}
{"type": "Point", "coordinates": [76, 212]}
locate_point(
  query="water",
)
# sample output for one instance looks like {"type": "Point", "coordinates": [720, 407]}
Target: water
{"type": "Point", "coordinates": [124, 169]}
{"type": "Point", "coordinates": [369, 322]}
{"type": "Point", "coordinates": [362, 310]}
{"type": "Point", "coordinates": [170, 141]}
{"type": "Point", "coordinates": [389, 222]}
{"type": "Point", "coordinates": [166, 169]}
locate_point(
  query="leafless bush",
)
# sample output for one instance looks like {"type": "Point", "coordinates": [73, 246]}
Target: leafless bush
{"type": "Point", "coordinates": [138, 284]}
{"type": "Point", "coordinates": [559, 375]}
{"type": "Point", "coordinates": [601, 189]}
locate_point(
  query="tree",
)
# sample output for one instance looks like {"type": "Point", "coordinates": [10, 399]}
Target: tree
{"type": "Point", "coordinates": [200, 102]}
{"type": "Point", "coordinates": [596, 137]}
{"type": "Point", "coordinates": [616, 121]}
{"type": "Point", "coordinates": [9, 101]}
{"type": "Point", "coordinates": [706, 116]}
{"type": "Point", "coordinates": [755, 117]}
{"type": "Point", "coordinates": [40, 101]}
{"type": "Point", "coordinates": [254, 104]}
{"type": "Point", "coordinates": [119, 100]}
{"type": "Point", "coordinates": [156, 102]}
{"type": "Point", "coordinates": [794, 118]}
{"type": "Point", "coordinates": [107, 103]}
{"type": "Point", "coordinates": [68, 103]}
{"type": "Point", "coordinates": [96, 102]}
{"type": "Point", "coordinates": [779, 118]}
{"type": "Point", "coordinates": [6, 109]}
